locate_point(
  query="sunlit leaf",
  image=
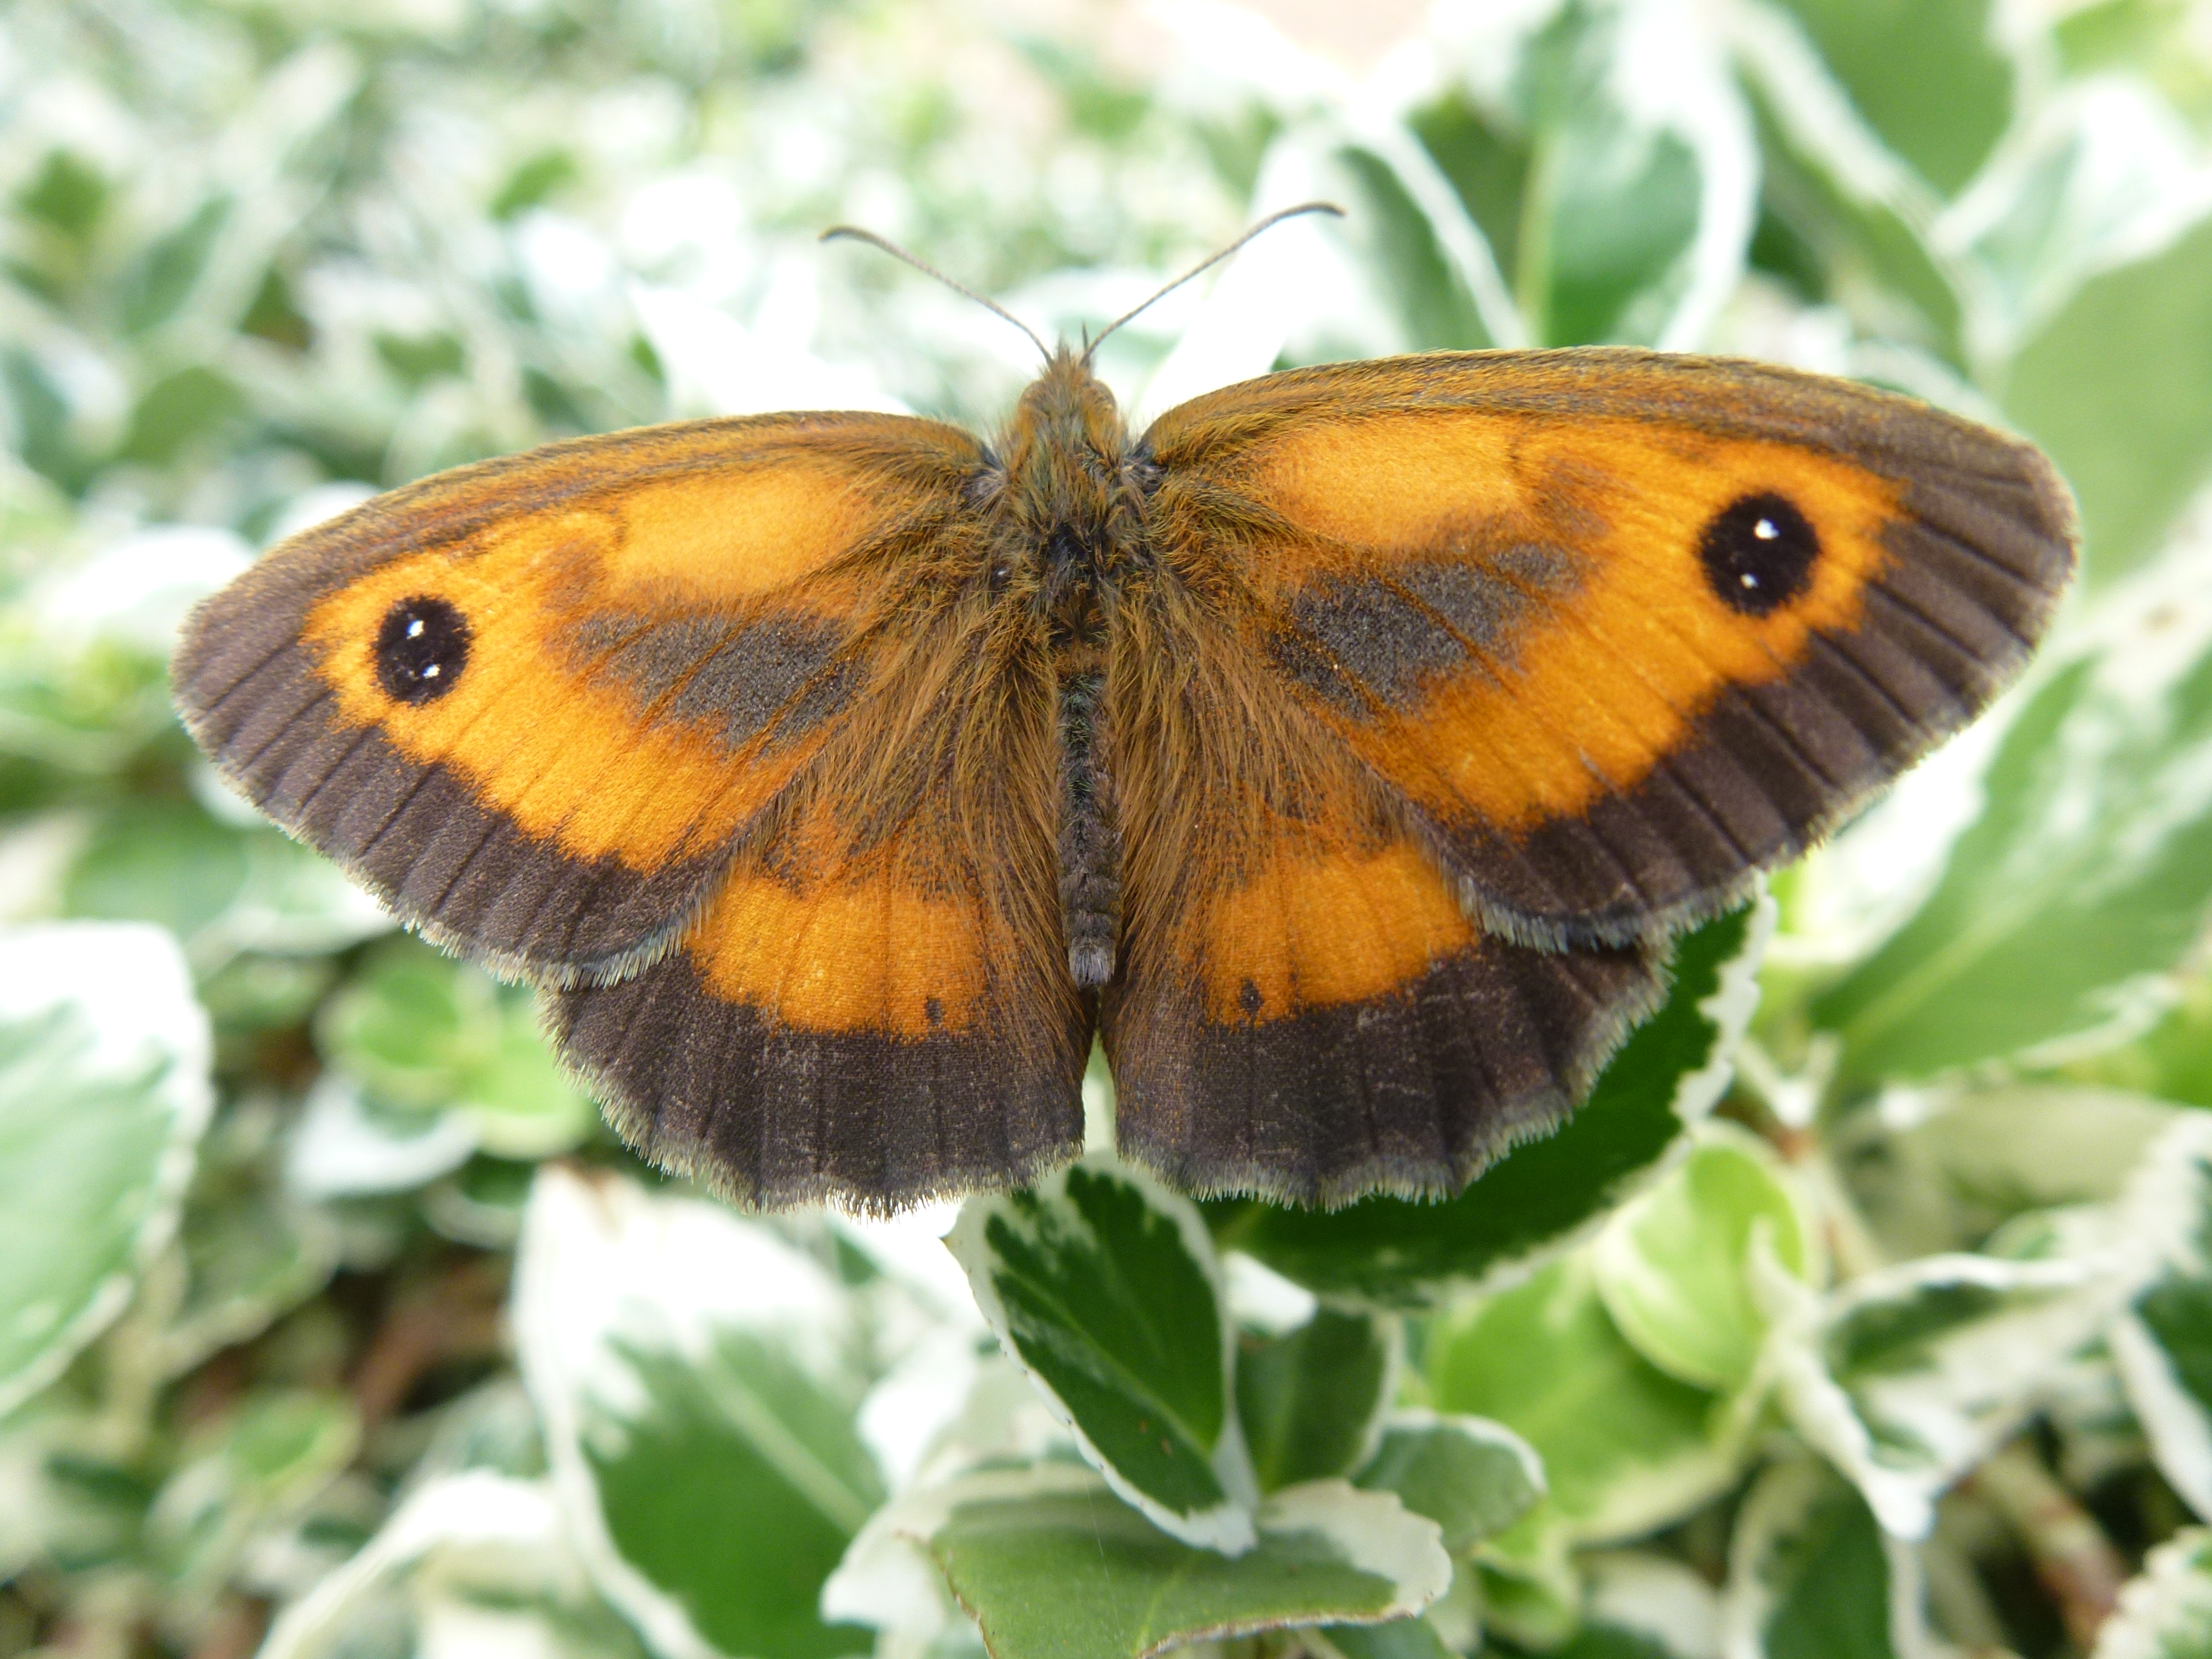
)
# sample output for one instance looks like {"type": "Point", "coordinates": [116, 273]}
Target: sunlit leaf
{"type": "Point", "coordinates": [1624, 1447]}
{"type": "Point", "coordinates": [694, 1373]}
{"type": "Point", "coordinates": [1105, 1286]}
{"type": "Point", "coordinates": [104, 1092]}
{"type": "Point", "coordinates": [2085, 874]}
{"type": "Point", "coordinates": [1054, 1566]}
{"type": "Point", "coordinates": [1673, 1264]}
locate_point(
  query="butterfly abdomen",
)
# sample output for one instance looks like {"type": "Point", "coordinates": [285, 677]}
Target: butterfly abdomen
{"type": "Point", "coordinates": [1074, 514]}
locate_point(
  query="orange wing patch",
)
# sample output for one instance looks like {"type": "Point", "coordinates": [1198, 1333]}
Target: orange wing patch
{"type": "Point", "coordinates": [854, 953]}
{"type": "Point", "coordinates": [578, 762]}
{"type": "Point", "coordinates": [871, 1008]}
{"type": "Point", "coordinates": [1589, 684]}
{"type": "Point", "coordinates": [1312, 929]}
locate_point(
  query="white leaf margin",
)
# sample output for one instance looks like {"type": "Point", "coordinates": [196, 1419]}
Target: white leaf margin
{"type": "Point", "coordinates": [1229, 1526]}
{"type": "Point", "coordinates": [2170, 1202]}
{"type": "Point", "coordinates": [1485, 1431]}
{"type": "Point", "coordinates": [132, 981]}
{"type": "Point", "coordinates": [1964, 1407]}
{"type": "Point", "coordinates": [2165, 1611]}
{"type": "Point", "coordinates": [888, 1580]}
{"type": "Point", "coordinates": [2106, 1255]}
{"type": "Point", "coordinates": [1777, 1505]}
{"type": "Point", "coordinates": [600, 1257]}
{"type": "Point", "coordinates": [476, 1526]}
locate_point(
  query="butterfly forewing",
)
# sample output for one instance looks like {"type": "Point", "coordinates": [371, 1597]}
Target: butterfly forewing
{"type": "Point", "coordinates": [530, 703]}
{"type": "Point", "coordinates": [710, 725]}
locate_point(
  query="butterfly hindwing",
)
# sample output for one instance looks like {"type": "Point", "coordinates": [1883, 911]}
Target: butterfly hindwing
{"type": "Point", "coordinates": [1306, 1010]}
{"type": "Point", "coordinates": [872, 1007]}
{"type": "Point", "coordinates": [530, 703]}
{"type": "Point", "coordinates": [1618, 629]}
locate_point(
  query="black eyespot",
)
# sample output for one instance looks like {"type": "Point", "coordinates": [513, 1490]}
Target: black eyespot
{"type": "Point", "coordinates": [1759, 553]}
{"type": "Point", "coordinates": [421, 649]}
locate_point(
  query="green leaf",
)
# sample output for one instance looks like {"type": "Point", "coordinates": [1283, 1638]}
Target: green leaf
{"type": "Point", "coordinates": [1311, 1401]}
{"type": "Point", "coordinates": [1977, 1159]}
{"type": "Point", "coordinates": [1545, 1195]}
{"type": "Point", "coordinates": [696, 1380]}
{"type": "Point", "coordinates": [252, 1252]}
{"type": "Point", "coordinates": [1616, 218]}
{"type": "Point", "coordinates": [2105, 174]}
{"type": "Point", "coordinates": [2117, 387]}
{"type": "Point", "coordinates": [1103, 1286]}
{"type": "Point", "coordinates": [1624, 1447]}
{"type": "Point", "coordinates": [220, 888]}
{"type": "Point", "coordinates": [1052, 1566]}
{"type": "Point", "coordinates": [2166, 1613]}
{"type": "Point", "coordinates": [263, 1461]}
{"type": "Point", "coordinates": [104, 1093]}
{"type": "Point", "coordinates": [1401, 1638]}
{"type": "Point", "coordinates": [2085, 874]}
{"type": "Point", "coordinates": [2163, 1345]}
{"type": "Point", "coordinates": [1926, 73]}
{"type": "Point", "coordinates": [1906, 1378]}
{"type": "Point", "coordinates": [1673, 1264]}
{"type": "Point", "coordinates": [476, 1533]}
{"type": "Point", "coordinates": [1845, 220]}
{"type": "Point", "coordinates": [423, 1032]}
{"type": "Point", "coordinates": [1812, 1576]}
{"type": "Point", "coordinates": [1473, 1477]}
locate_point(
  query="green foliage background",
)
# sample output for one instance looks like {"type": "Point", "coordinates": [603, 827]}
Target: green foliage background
{"type": "Point", "coordinates": [1876, 1321]}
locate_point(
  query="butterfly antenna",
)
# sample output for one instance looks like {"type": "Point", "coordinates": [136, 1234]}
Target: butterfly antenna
{"type": "Point", "coordinates": [1201, 269]}
{"type": "Point", "coordinates": [854, 233]}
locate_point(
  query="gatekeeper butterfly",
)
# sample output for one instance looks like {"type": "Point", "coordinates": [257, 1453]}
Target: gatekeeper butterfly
{"type": "Point", "coordinates": [1343, 752]}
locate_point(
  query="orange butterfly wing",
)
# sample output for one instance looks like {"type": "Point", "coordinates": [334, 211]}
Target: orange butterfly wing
{"type": "Point", "coordinates": [1571, 644]}
{"type": "Point", "coordinates": [702, 749]}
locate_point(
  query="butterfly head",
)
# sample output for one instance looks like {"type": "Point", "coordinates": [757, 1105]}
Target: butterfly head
{"type": "Point", "coordinates": [1071, 501]}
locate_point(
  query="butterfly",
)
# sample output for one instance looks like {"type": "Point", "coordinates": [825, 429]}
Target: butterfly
{"type": "Point", "coordinates": [1342, 752]}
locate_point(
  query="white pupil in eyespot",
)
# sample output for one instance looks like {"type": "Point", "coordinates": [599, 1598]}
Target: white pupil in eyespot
{"type": "Point", "coordinates": [1765, 530]}
{"type": "Point", "coordinates": [1748, 579]}
{"type": "Point", "coordinates": [415, 628]}
{"type": "Point", "coordinates": [431, 672]}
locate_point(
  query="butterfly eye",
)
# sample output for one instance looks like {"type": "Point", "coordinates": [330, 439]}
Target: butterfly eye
{"type": "Point", "coordinates": [421, 649]}
{"type": "Point", "coordinates": [1758, 553]}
